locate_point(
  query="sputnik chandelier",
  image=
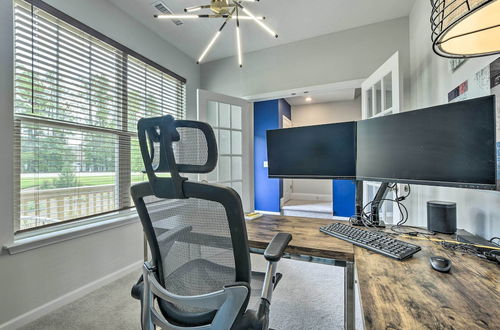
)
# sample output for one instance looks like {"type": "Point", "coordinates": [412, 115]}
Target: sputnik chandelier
{"type": "Point", "coordinates": [228, 10]}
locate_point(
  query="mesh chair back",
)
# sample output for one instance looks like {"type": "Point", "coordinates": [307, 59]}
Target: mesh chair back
{"type": "Point", "coordinates": [198, 240]}
{"type": "Point", "coordinates": [191, 148]}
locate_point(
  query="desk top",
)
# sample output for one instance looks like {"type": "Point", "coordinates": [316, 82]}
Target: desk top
{"type": "Point", "coordinates": [399, 294]}
{"type": "Point", "coordinates": [411, 295]}
{"type": "Point", "coordinates": [306, 237]}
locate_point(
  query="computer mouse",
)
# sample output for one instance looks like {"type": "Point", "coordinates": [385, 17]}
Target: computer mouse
{"type": "Point", "coordinates": [441, 264]}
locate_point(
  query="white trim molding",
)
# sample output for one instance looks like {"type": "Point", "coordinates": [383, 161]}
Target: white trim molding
{"type": "Point", "coordinates": [37, 241]}
{"type": "Point", "coordinates": [268, 212]}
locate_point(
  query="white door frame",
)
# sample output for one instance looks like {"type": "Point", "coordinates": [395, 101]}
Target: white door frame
{"type": "Point", "coordinates": [287, 183]}
{"type": "Point", "coordinates": [371, 107]}
{"type": "Point", "coordinates": [391, 66]}
{"type": "Point", "coordinates": [203, 97]}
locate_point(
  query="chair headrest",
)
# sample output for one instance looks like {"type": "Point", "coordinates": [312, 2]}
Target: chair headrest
{"type": "Point", "coordinates": [175, 146]}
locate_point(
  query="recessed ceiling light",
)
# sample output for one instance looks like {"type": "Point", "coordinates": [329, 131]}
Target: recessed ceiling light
{"type": "Point", "coordinates": [308, 99]}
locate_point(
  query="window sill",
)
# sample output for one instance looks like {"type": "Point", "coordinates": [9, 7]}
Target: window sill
{"type": "Point", "coordinates": [37, 241]}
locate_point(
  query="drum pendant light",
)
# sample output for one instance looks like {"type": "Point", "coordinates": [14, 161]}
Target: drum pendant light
{"type": "Point", "coordinates": [465, 28]}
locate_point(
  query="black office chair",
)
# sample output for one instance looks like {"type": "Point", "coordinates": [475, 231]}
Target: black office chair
{"type": "Point", "coordinates": [199, 274]}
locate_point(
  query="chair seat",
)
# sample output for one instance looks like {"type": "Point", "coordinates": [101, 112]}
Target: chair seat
{"type": "Point", "coordinates": [213, 275]}
{"type": "Point", "coordinates": [199, 276]}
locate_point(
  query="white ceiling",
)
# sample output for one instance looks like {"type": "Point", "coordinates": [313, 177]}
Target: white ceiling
{"type": "Point", "coordinates": [293, 20]}
{"type": "Point", "coordinates": [322, 97]}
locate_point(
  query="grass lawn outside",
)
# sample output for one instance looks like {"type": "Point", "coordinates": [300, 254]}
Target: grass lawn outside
{"type": "Point", "coordinates": [90, 180]}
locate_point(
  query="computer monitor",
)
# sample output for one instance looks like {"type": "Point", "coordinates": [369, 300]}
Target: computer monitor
{"type": "Point", "coordinates": [446, 145]}
{"type": "Point", "coordinates": [313, 152]}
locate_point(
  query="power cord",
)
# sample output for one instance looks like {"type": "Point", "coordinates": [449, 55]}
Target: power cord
{"type": "Point", "coordinates": [403, 211]}
{"type": "Point", "coordinates": [493, 239]}
{"type": "Point", "coordinates": [490, 255]}
{"type": "Point", "coordinates": [366, 216]}
{"type": "Point", "coordinates": [397, 228]}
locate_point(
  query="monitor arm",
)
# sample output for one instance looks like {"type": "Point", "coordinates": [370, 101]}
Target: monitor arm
{"type": "Point", "coordinates": [359, 200]}
{"type": "Point", "coordinates": [356, 219]}
{"type": "Point", "coordinates": [376, 204]}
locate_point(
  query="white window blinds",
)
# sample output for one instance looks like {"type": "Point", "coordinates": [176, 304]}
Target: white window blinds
{"type": "Point", "coordinates": [78, 96]}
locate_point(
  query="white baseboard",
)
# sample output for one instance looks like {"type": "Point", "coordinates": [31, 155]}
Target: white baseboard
{"type": "Point", "coordinates": [268, 212]}
{"type": "Point", "coordinates": [306, 214]}
{"type": "Point", "coordinates": [311, 197]}
{"type": "Point", "coordinates": [335, 217]}
{"type": "Point", "coordinates": [67, 298]}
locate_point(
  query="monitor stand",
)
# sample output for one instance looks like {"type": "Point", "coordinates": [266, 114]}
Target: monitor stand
{"type": "Point", "coordinates": [356, 218]}
{"type": "Point", "coordinates": [375, 205]}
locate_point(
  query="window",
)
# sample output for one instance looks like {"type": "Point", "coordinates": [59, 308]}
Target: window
{"type": "Point", "coordinates": [78, 96]}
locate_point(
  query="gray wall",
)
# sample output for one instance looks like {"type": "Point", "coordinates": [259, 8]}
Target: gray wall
{"type": "Point", "coordinates": [336, 57]}
{"type": "Point", "coordinates": [317, 114]}
{"type": "Point", "coordinates": [326, 113]}
{"type": "Point", "coordinates": [33, 278]}
{"type": "Point", "coordinates": [478, 211]}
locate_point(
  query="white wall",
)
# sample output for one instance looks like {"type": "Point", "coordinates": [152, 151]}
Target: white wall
{"type": "Point", "coordinates": [317, 114]}
{"type": "Point", "coordinates": [336, 57]}
{"type": "Point", "coordinates": [36, 277]}
{"type": "Point", "coordinates": [478, 211]}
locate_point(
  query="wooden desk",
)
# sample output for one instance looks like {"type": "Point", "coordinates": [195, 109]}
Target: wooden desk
{"type": "Point", "coordinates": [310, 244]}
{"type": "Point", "coordinates": [307, 239]}
{"type": "Point", "coordinates": [411, 295]}
{"type": "Point", "coordinates": [396, 294]}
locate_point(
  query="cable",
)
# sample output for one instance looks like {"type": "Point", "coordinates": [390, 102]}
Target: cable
{"type": "Point", "coordinates": [414, 232]}
{"type": "Point", "coordinates": [464, 248]}
{"type": "Point", "coordinates": [401, 223]}
{"type": "Point", "coordinates": [494, 238]}
{"type": "Point", "coordinates": [366, 217]}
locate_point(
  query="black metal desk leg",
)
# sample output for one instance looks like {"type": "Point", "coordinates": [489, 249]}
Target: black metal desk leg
{"type": "Point", "coordinates": [349, 297]}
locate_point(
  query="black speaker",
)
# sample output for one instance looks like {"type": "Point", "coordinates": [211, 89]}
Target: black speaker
{"type": "Point", "coordinates": [442, 217]}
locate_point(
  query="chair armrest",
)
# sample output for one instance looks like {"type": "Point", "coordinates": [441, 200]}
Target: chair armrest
{"type": "Point", "coordinates": [275, 249]}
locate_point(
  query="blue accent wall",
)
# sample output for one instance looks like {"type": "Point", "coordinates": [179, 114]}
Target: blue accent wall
{"type": "Point", "coordinates": [267, 115]}
{"type": "Point", "coordinates": [344, 197]}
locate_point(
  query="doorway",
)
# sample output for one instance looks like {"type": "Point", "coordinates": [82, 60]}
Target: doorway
{"type": "Point", "coordinates": [231, 120]}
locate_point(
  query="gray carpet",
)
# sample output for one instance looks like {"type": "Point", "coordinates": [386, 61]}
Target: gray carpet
{"type": "Point", "coordinates": [310, 296]}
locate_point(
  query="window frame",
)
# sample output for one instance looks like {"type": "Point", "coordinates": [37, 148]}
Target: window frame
{"type": "Point", "coordinates": [122, 134]}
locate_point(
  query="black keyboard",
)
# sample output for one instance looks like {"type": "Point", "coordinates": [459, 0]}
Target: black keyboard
{"type": "Point", "coordinates": [374, 241]}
